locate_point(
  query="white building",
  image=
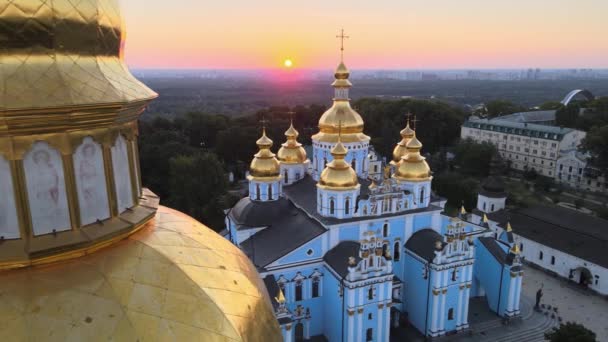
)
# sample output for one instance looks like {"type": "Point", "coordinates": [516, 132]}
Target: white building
{"type": "Point", "coordinates": [526, 146]}
{"type": "Point", "coordinates": [557, 239]}
{"type": "Point", "coordinates": [573, 169]}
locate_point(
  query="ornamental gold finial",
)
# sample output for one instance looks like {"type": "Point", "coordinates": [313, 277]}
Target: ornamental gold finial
{"type": "Point", "coordinates": [280, 298]}
{"type": "Point", "coordinates": [463, 211]}
{"type": "Point", "coordinates": [509, 228]}
{"type": "Point", "coordinates": [485, 218]}
{"type": "Point", "coordinates": [342, 37]}
{"type": "Point", "coordinates": [515, 249]}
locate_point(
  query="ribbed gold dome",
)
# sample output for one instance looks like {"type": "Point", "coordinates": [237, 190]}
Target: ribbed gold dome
{"type": "Point", "coordinates": [264, 164]}
{"type": "Point", "coordinates": [292, 152]}
{"type": "Point", "coordinates": [413, 167]}
{"type": "Point", "coordinates": [341, 112]}
{"type": "Point", "coordinates": [338, 174]}
{"type": "Point", "coordinates": [401, 149]}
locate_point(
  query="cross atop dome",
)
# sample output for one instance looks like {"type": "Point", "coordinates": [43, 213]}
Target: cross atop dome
{"type": "Point", "coordinates": [342, 37]}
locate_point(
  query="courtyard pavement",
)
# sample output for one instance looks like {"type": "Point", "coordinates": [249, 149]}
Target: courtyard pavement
{"type": "Point", "coordinates": [574, 303]}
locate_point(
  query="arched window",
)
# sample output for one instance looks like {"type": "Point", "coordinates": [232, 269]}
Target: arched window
{"type": "Point", "coordinates": [347, 207]}
{"type": "Point", "coordinates": [422, 196]}
{"type": "Point", "coordinates": [286, 177]}
{"type": "Point", "coordinates": [331, 206]}
{"type": "Point", "coordinates": [451, 314]}
{"type": "Point", "coordinates": [257, 192]}
{"type": "Point", "coordinates": [552, 260]}
{"type": "Point", "coordinates": [315, 287]}
{"type": "Point", "coordinates": [521, 246]}
{"type": "Point", "coordinates": [298, 291]}
{"type": "Point", "coordinates": [370, 293]}
{"type": "Point", "coordinates": [484, 206]}
{"type": "Point", "coordinates": [397, 252]}
{"type": "Point", "coordinates": [385, 230]}
{"type": "Point", "coordinates": [384, 248]}
{"type": "Point", "coordinates": [369, 335]}
{"type": "Point", "coordinates": [540, 255]}
{"type": "Point", "coordinates": [492, 208]}
{"type": "Point", "coordinates": [354, 164]}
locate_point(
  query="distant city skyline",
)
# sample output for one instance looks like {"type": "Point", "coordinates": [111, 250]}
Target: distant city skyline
{"type": "Point", "coordinates": [387, 34]}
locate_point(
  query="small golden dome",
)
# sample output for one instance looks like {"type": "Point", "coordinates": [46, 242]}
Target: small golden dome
{"type": "Point", "coordinates": [292, 152]}
{"type": "Point", "coordinates": [413, 167]}
{"type": "Point", "coordinates": [342, 72]}
{"type": "Point", "coordinates": [338, 174]}
{"type": "Point", "coordinates": [264, 164]}
{"type": "Point", "coordinates": [401, 149]}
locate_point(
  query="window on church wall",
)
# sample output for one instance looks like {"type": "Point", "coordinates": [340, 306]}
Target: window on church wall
{"type": "Point", "coordinates": [257, 192]}
{"type": "Point", "coordinates": [397, 252]}
{"type": "Point", "coordinates": [354, 164]}
{"type": "Point", "coordinates": [286, 177]}
{"type": "Point", "coordinates": [315, 287]}
{"type": "Point", "coordinates": [347, 206]}
{"type": "Point", "coordinates": [540, 255]}
{"type": "Point", "coordinates": [484, 206]}
{"type": "Point", "coordinates": [451, 314]}
{"type": "Point", "coordinates": [270, 191]}
{"type": "Point", "coordinates": [370, 316]}
{"type": "Point", "coordinates": [298, 291]}
{"type": "Point", "coordinates": [331, 206]}
{"type": "Point", "coordinates": [370, 293]}
{"type": "Point", "coordinates": [324, 162]}
{"type": "Point", "coordinates": [371, 261]}
{"type": "Point", "coordinates": [384, 248]}
{"type": "Point", "coordinates": [552, 260]}
{"type": "Point", "coordinates": [521, 246]}
{"type": "Point", "coordinates": [385, 230]}
{"type": "Point", "coordinates": [454, 275]}
{"type": "Point", "coordinates": [369, 335]}
{"type": "Point", "coordinates": [492, 207]}
{"type": "Point", "coordinates": [422, 196]}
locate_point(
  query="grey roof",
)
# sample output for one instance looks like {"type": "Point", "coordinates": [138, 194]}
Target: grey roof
{"type": "Point", "coordinates": [248, 213]}
{"type": "Point", "coordinates": [286, 230]}
{"type": "Point", "coordinates": [493, 187]}
{"type": "Point", "coordinates": [524, 129]}
{"type": "Point", "coordinates": [531, 117]}
{"type": "Point", "coordinates": [564, 229]}
{"type": "Point", "coordinates": [304, 195]}
{"type": "Point", "coordinates": [497, 252]}
{"type": "Point", "coordinates": [337, 257]}
{"type": "Point", "coordinates": [423, 242]}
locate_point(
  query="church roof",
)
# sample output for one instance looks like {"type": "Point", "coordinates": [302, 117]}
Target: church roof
{"type": "Point", "coordinates": [304, 195]}
{"type": "Point", "coordinates": [337, 257]}
{"type": "Point", "coordinates": [497, 252]}
{"type": "Point", "coordinates": [288, 229]}
{"type": "Point", "coordinates": [248, 214]}
{"type": "Point", "coordinates": [423, 242]}
{"type": "Point", "coordinates": [564, 229]}
{"type": "Point", "coordinates": [493, 187]}
{"type": "Point", "coordinates": [273, 289]}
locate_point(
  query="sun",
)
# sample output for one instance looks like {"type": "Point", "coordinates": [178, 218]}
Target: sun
{"type": "Point", "coordinates": [288, 63]}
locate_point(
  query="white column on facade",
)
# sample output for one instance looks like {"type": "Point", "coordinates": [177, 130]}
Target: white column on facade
{"type": "Point", "coordinates": [307, 329]}
{"type": "Point", "coordinates": [379, 318]}
{"type": "Point", "coordinates": [465, 317]}
{"type": "Point", "coordinates": [387, 322]}
{"type": "Point", "coordinates": [459, 307]}
{"type": "Point", "coordinates": [442, 314]}
{"type": "Point", "coordinates": [434, 314]}
{"type": "Point", "coordinates": [287, 334]}
{"type": "Point", "coordinates": [518, 293]}
{"type": "Point", "coordinates": [351, 318]}
{"type": "Point", "coordinates": [360, 325]}
{"type": "Point", "coordinates": [511, 295]}
{"type": "Point", "coordinates": [409, 226]}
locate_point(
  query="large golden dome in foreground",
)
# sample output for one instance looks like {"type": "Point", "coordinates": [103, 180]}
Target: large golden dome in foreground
{"type": "Point", "coordinates": [174, 280]}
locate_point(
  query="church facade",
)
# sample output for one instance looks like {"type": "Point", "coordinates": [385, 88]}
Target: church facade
{"type": "Point", "coordinates": [350, 253]}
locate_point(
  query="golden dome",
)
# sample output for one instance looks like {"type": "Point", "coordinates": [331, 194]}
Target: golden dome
{"type": "Point", "coordinates": [174, 280]}
{"type": "Point", "coordinates": [292, 152]}
{"type": "Point", "coordinates": [401, 149]}
{"type": "Point", "coordinates": [338, 174]}
{"type": "Point", "coordinates": [57, 54]}
{"type": "Point", "coordinates": [413, 167]}
{"type": "Point", "coordinates": [264, 164]}
{"type": "Point", "coordinates": [341, 112]}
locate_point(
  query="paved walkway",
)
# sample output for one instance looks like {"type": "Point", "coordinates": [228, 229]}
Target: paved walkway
{"type": "Point", "coordinates": [574, 304]}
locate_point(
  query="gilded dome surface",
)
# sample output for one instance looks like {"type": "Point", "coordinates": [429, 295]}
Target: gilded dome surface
{"type": "Point", "coordinates": [264, 163]}
{"type": "Point", "coordinates": [174, 280]}
{"type": "Point", "coordinates": [413, 167]}
{"type": "Point", "coordinates": [341, 113]}
{"type": "Point", "coordinates": [291, 151]}
{"type": "Point", "coordinates": [338, 174]}
{"type": "Point", "coordinates": [401, 149]}
{"type": "Point", "coordinates": [64, 53]}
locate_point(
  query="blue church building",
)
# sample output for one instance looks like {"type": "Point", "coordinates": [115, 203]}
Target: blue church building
{"type": "Point", "coordinates": [348, 257]}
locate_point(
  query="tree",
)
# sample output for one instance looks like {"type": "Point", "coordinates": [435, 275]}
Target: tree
{"type": "Point", "coordinates": [596, 144]}
{"type": "Point", "coordinates": [502, 107]}
{"type": "Point", "coordinates": [551, 105]}
{"type": "Point", "coordinates": [570, 332]}
{"type": "Point", "coordinates": [568, 116]}
{"type": "Point", "coordinates": [458, 190]}
{"type": "Point", "coordinates": [473, 159]}
{"type": "Point", "coordinates": [198, 185]}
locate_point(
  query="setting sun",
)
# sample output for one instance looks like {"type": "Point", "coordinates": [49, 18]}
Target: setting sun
{"type": "Point", "coordinates": [288, 63]}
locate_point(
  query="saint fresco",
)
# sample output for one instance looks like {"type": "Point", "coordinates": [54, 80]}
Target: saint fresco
{"type": "Point", "coordinates": [122, 176]}
{"type": "Point", "coordinates": [91, 182]}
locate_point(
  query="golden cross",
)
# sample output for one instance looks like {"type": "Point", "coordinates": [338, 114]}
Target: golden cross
{"type": "Point", "coordinates": [415, 121]}
{"type": "Point", "coordinates": [342, 37]}
{"type": "Point", "coordinates": [408, 115]}
{"type": "Point", "coordinates": [264, 122]}
{"type": "Point", "coordinates": [291, 114]}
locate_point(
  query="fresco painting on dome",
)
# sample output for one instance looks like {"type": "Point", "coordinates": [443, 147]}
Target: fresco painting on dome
{"type": "Point", "coordinates": [91, 182]}
{"type": "Point", "coordinates": [46, 189]}
{"type": "Point", "coordinates": [9, 223]}
{"type": "Point", "coordinates": [122, 175]}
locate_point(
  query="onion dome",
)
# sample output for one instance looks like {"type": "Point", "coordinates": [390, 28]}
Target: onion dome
{"type": "Point", "coordinates": [341, 112]}
{"type": "Point", "coordinates": [413, 167]}
{"type": "Point", "coordinates": [264, 164]}
{"type": "Point", "coordinates": [338, 174]}
{"type": "Point", "coordinates": [291, 151]}
{"type": "Point", "coordinates": [401, 149]}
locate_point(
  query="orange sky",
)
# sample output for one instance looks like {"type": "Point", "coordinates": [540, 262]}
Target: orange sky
{"type": "Point", "coordinates": [384, 33]}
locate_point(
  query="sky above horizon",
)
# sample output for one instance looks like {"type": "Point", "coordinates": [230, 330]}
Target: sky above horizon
{"type": "Point", "coordinates": [384, 34]}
